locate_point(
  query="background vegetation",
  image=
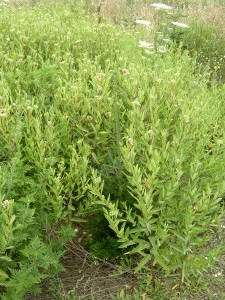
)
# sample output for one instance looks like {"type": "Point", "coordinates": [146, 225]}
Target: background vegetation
{"type": "Point", "coordinates": [116, 146]}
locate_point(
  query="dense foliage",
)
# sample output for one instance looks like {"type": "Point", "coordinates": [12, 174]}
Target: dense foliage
{"type": "Point", "coordinates": [92, 128]}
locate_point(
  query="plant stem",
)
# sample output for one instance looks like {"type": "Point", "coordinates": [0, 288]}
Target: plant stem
{"type": "Point", "coordinates": [117, 134]}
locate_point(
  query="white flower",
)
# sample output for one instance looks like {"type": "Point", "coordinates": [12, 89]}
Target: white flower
{"type": "Point", "coordinates": [130, 141]}
{"type": "Point", "coordinates": [97, 180]}
{"type": "Point", "coordinates": [183, 25]}
{"type": "Point", "coordinates": [112, 213]}
{"type": "Point", "coordinates": [3, 113]}
{"type": "Point", "coordinates": [161, 6]}
{"type": "Point", "coordinates": [167, 40]}
{"type": "Point", "coordinates": [109, 114]}
{"type": "Point", "coordinates": [136, 103]}
{"type": "Point", "coordinates": [177, 161]}
{"type": "Point", "coordinates": [220, 142]}
{"type": "Point", "coordinates": [217, 274]}
{"type": "Point", "coordinates": [5, 204]}
{"type": "Point", "coordinates": [144, 44]}
{"type": "Point", "coordinates": [186, 118]}
{"type": "Point", "coordinates": [150, 132]}
{"type": "Point", "coordinates": [143, 22]}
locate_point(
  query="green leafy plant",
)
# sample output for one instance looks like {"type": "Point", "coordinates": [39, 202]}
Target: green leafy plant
{"type": "Point", "coordinates": [80, 104]}
{"type": "Point", "coordinates": [175, 180]}
{"type": "Point", "coordinates": [206, 43]}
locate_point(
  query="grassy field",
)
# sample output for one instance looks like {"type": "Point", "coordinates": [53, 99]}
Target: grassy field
{"type": "Point", "coordinates": [112, 174]}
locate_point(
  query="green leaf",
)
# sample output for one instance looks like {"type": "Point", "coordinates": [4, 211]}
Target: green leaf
{"type": "Point", "coordinates": [179, 237]}
{"type": "Point", "coordinates": [143, 245]}
{"type": "Point", "coordinates": [95, 158]}
{"type": "Point", "coordinates": [3, 243]}
{"type": "Point", "coordinates": [7, 258]}
{"type": "Point", "coordinates": [143, 262]}
{"type": "Point", "coordinates": [161, 262]}
{"type": "Point", "coordinates": [176, 248]}
{"type": "Point", "coordinates": [137, 229]}
{"type": "Point", "coordinates": [126, 244]}
{"type": "Point", "coordinates": [75, 219]}
{"type": "Point", "coordinates": [3, 275]}
{"type": "Point", "coordinates": [12, 220]}
{"type": "Point", "coordinates": [71, 207]}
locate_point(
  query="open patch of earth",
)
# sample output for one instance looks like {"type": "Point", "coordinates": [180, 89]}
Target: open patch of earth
{"type": "Point", "coordinates": [87, 277]}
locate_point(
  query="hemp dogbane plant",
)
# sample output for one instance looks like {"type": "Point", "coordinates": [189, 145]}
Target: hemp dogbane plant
{"type": "Point", "coordinates": [170, 172]}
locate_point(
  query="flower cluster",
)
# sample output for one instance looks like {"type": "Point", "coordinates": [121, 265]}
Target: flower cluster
{"type": "Point", "coordinates": [5, 204]}
{"type": "Point", "coordinates": [143, 22]}
{"type": "Point", "coordinates": [183, 25]}
{"type": "Point", "coordinates": [144, 44]}
{"type": "Point", "coordinates": [163, 8]}
{"type": "Point", "coordinates": [3, 113]}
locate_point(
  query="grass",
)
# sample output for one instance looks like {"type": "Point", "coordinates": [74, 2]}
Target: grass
{"type": "Point", "coordinates": [101, 140]}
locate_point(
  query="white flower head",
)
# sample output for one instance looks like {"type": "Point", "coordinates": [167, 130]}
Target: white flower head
{"type": "Point", "coordinates": [177, 161]}
{"type": "Point", "coordinates": [144, 44]}
{"type": "Point", "coordinates": [112, 213]}
{"type": "Point", "coordinates": [183, 25]}
{"type": "Point", "coordinates": [218, 274]}
{"type": "Point", "coordinates": [143, 22]}
{"type": "Point", "coordinates": [5, 204]}
{"type": "Point", "coordinates": [167, 40]}
{"type": "Point", "coordinates": [159, 6]}
{"type": "Point", "coordinates": [186, 118]}
{"type": "Point", "coordinates": [3, 113]}
{"type": "Point", "coordinates": [130, 141]}
{"type": "Point", "coordinates": [109, 114]}
{"type": "Point", "coordinates": [136, 103]}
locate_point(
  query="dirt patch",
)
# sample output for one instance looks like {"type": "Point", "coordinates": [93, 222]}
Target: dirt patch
{"type": "Point", "coordinates": [85, 276]}
{"type": "Point", "coordinates": [93, 277]}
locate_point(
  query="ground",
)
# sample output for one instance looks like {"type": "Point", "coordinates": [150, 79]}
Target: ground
{"type": "Point", "coordinates": [87, 277]}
